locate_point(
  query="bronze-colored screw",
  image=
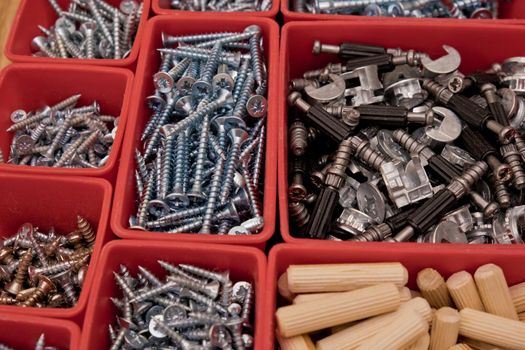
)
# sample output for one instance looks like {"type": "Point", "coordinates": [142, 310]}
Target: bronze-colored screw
{"type": "Point", "coordinates": [51, 248]}
{"type": "Point", "coordinates": [75, 239]}
{"type": "Point", "coordinates": [25, 294]}
{"type": "Point", "coordinates": [86, 230]}
{"type": "Point", "coordinates": [56, 300]}
{"type": "Point", "coordinates": [6, 255]}
{"type": "Point", "coordinates": [21, 274]}
{"type": "Point", "coordinates": [7, 301]}
{"type": "Point", "coordinates": [45, 287]}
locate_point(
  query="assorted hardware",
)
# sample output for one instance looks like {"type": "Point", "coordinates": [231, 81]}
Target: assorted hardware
{"type": "Point", "coordinates": [412, 149]}
{"type": "Point", "coordinates": [367, 306]}
{"type": "Point", "coordinates": [62, 135]}
{"type": "Point", "coordinates": [222, 5]}
{"type": "Point", "coordinates": [90, 29]}
{"type": "Point", "coordinates": [406, 8]}
{"type": "Point", "coordinates": [45, 270]}
{"type": "Point", "coordinates": [202, 162]}
{"type": "Point", "coordinates": [191, 308]}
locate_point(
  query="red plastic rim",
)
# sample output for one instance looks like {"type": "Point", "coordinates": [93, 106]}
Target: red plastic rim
{"type": "Point", "coordinates": [296, 58]}
{"type": "Point", "coordinates": [38, 12]}
{"type": "Point", "coordinates": [125, 193]}
{"type": "Point", "coordinates": [244, 263]}
{"type": "Point", "coordinates": [162, 7]}
{"type": "Point", "coordinates": [55, 201]}
{"type": "Point", "coordinates": [22, 332]}
{"type": "Point", "coordinates": [510, 13]}
{"type": "Point", "coordinates": [32, 86]}
{"type": "Point", "coordinates": [414, 259]}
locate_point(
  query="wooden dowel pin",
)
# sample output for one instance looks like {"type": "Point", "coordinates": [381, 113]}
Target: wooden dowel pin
{"type": "Point", "coordinates": [494, 291]}
{"type": "Point", "coordinates": [464, 292]}
{"type": "Point", "coordinates": [433, 288]}
{"type": "Point", "coordinates": [445, 329]}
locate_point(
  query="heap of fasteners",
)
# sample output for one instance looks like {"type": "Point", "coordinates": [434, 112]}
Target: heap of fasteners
{"type": "Point", "coordinates": [90, 29]}
{"type": "Point", "coordinates": [222, 5]}
{"type": "Point", "coordinates": [45, 270]}
{"type": "Point", "coordinates": [62, 136]}
{"type": "Point", "coordinates": [485, 9]}
{"type": "Point", "coordinates": [393, 145]}
{"type": "Point", "coordinates": [464, 312]}
{"type": "Point", "coordinates": [191, 308]}
{"type": "Point", "coordinates": [203, 156]}
{"type": "Point", "coordinates": [40, 344]}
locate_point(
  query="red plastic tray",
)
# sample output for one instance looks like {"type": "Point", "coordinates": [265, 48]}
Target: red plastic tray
{"type": "Point", "coordinates": [415, 259]}
{"type": "Point", "coordinates": [162, 7]}
{"type": "Point", "coordinates": [125, 193]}
{"type": "Point", "coordinates": [509, 12]}
{"type": "Point", "coordinates": [38, 12]}
{"type": "Point", "coordinates": [55, 201]}
{"type": "Point", "coordinates": [32, 86]}
{"type": "Point", "coordinates": [244, 264]}
{"type": "Point", "coordinates": [479, 45]}
{"type": "Point", "coordinates": [22, 332]}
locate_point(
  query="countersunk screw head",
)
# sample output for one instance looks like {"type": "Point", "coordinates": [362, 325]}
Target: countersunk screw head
{"type": "Point", "coordinates": [257, 106]}
{"type": "Point", "coordinates": [163, 82]}
{"type": "Point", "coordinates": [201, 89]}
{"type": "Point", "coordinates": [223, 81]}
{"type": "Point", "coordinates": [18, 115]}
{"type": "Point", "coordinates": [155, 102]}
{"type": "Point", "coordinates": [158, 208]}
{"type": "Point", "coordinates": [185, 83]}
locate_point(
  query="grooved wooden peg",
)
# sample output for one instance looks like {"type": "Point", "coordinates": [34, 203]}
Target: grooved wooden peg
{"type": "Point", "coordinates": [460, 346]}
{"type": "Point", "coordinates": [480, 345]}
{"type": "Point", "coordinates": [445, 329]}
{"type": "Point", "coordinates": [433, 288]}
{"type": "Point", "coordinates": [344, 277]}
{"type": "Point", "coordinates": [464, 292]}
{"type": "Point", "coordinates": [517, 293]}
{"type": "Point", "coordinates": [352, 337]}
{"type": "Point", "coordinates": [405, 294]}
{"type": "Point", "coordinates": [351, 306]}
{"type": "Point", "coordinates": [300, 342]}
{"type": "Point", "coordinates": [307, 298]}
{"type": "Point", "coordinates": [492, 329]}
{"type": "Point", "coordinates": [282, 285]}
{"type": "Point", "coordinates": [421, 344]}
{"type": "Point", "coordinates": [405, 329]}
{"type": "Point", "coordinates": [494, 291]}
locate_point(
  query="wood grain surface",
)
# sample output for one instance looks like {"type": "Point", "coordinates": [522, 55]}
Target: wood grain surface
{"type": "Point", "coordinates": [7, 13]}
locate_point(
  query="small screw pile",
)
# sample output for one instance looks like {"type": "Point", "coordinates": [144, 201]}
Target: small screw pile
{"type": "Point", "coordinates": [406, 8]}
{"type": "Point", "coordinates": [222, 5]}
{"type": "Point", "coordinates": [90, 29]}
{"type": "Point", "coordinates": [390, 145]}
{"type": "Point", "coordinates": [202, 163]}
{"type": "Point", "coordinates": [62, 136]}
{"type": "Point", "coordinates": [40, 344]}
{"type": "Point", "coordinates": [45, 270]}
{"type": "Point", "coordinates": [192, 308]}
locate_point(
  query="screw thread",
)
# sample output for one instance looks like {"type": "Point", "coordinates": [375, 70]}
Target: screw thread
{"type": "Point", "coordinates": [229, 173]}
{"type": "Point", "coordinates": [100, 21]}
{"type": "Point", "coordinates": [151, 125]}
{"type": "Point", "coordinates": [86, 230]}
{"type": "Point", "coordinates": [37, 295]}
{"type": "Point", "coordinates": [116, 35]}
{"type": "Point", "coordinates": [299, 213]}
{"type": "Point", "coordinates": [227, 39]}
{"type": "Point", "coordinates": [147, 195]}
{"type": "Point", "coordinates": [179, 162]}
{"type": "Point", "coordinates": [513, 159]}
{"type": "Point", "coordinates": [214, 192]}
{"type": "Point", "coordinates": [25, 262]}
{"type": "Point", "coordinates": [408, 142]}
{"type": "Point", "coordinates": [253, 195]}
{"type": "Point", "coordinates": [68, 153]}
{"type": "Point", "coordinates": [177, 271]}
{"type": "Point", "coordinates": [201, 155]}
{"type": "Point", "coordinates": [173, 335]}
{"type": "Point", "coordinates": [171, 40]}
{"type": "Point", "coordinates": [26, 122]}
{"type": "Point", "coordinates": [38, 131]}
{"type": "Point", "coordinates": [155, 136]}
{"type": "Point", "coordinates": [56, 7]}
{"type": "Point", "coordinates": [150, 276]}
{"type": "Point", "coordinates": [119, 340]}
{"type": "Point", "coordinates": [366, 154]}
{"type": "Point", "coordinates": [61, 45]}
{"type": "Point", "coordinates": [259, 159]}
{"type": "Point", "coordinates": [128, 292]}
{"type": "Point", "coordinates": [255, 54]}
{"type": "Point", "coordinates": [189, 227]}
{"type": "Point", "coordinates": [212, 64]}
{"type": "Point", "coordinates": [241, 78]}
{"type": "Point", "coordinates": [171, 219]}
{"type": "Point", "coordinates": [168, 165]}
{"type": "Point", "coordinates": [129, 28]}
{"type": "Point", "coordinates": [240, 105]}
{"type": "Point", "coordinates": [57, 268]}
{"type": "Point", "coordinates": [69, 292]}
{"type": "Point", "coordinates": [156, 291]}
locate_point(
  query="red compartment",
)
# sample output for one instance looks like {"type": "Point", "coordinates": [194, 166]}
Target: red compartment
{"type": "Point", "coordinates": [162, 7]}
{"type": "Point", "coordinates": [479, 46]}
{"type": "Point", "coordinates": [244, 264]}
{"type": "Point", "coordinates": [32, 86]}
{"type": "Point", "coordinates": [38, 12]}
{"type": "Point", "coordinates": [59, 333]}
{"type": "Point", "coordinates": [509, 12]}
{"type": "Point", "coordinates": [55, 201]}
{"type": "Point", "coordinates": [415, 259]}
{"type": "Point", "coordinates": [125, 193]}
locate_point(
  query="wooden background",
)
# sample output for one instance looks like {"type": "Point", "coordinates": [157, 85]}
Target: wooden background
{"type": "Point", "coordinates": [7, 13]}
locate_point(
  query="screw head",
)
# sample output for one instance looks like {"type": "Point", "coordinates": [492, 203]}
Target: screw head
{"type": "Point", "coordinates": [257, 106]}
{"type": "Point", "coordinates": [128, 6]}
{"type": "Point", "coordinates": [238, 230]}
{"type": "Point", "coordinates": [24, 144]}
{"type": "Point", "coordinates": [223, 81]}
{"type": "Point", "coordinates": [88, 27]}
{"type": "Point", "coordinates": [201, 89]}
{"type": "Point", "coordinates": [158, 208]}
{"type": "Point", "coordinates": [238, 135]}
{"type": "Point", "coordinates": [38, 42]}
{"type": "Point", "coordinates": [18, 115]}
{"type": "Point", "coordinates": [163, 82]}
{"type": "Point", "coordinates": [185, 83]}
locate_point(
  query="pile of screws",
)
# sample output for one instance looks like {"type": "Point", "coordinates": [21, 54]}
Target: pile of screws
{"type": "Point", "coordinates": [222, 5]}
{"type": "Point", "coordinates": [45, 270]}
{"type": "Point", "coordinates": [485, 9]}
{"type": "Point", "coordinates": [192, 308]}
{"type": "Point", "coordinates": [90, 29]}
{"type": "Point", "coordinates": [464, 312]}
{"type": "Point", "coordinates": [62, 136]}
{"type": "Point", "coordinates": [40, 344]}
{"type": "Point", "coordinates": [202, 165]}
{"type": "Point", "coordinates": [416, 149]}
